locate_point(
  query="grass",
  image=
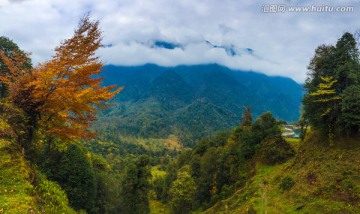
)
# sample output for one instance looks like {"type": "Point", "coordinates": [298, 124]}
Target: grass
{"type": "Point", "coordinates": [15, 187]}
{"type": "Point", "coordinates": [294, 142]}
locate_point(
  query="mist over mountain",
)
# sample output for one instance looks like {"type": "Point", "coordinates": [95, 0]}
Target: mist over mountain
{"type": "Point", "coordinates": [193, 101]}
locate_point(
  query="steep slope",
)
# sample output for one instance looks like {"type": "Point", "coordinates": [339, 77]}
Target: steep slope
{"type": "Point", "coordinates": [320, 179]}
{"type": "Point", "coordinates": [15, 186]}
{"type": "Point", "coordinates": [23, 189]}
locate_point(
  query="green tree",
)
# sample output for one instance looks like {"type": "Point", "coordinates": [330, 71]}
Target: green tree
{"type": "Point", "coordinates": [275, 150]}
{"type": "Point", "coordinates": [76, 176]}
{"type": "Point", "coordinates": [135, 187]}
{"type": "Point", "coordinates": [265, 126]}
{"type": "Point", "coordinates": [347, 61]}
{"type": "Point", "coordinates": [246, 116]}
{"type": "Point", "coordinates": [207, 187]}
{"type": "Point", "coordinates": [182, 191]}
{"type": "Point", "coordinates": [351, 109]}
{"type": "Point", "coordinates": [107, 197]}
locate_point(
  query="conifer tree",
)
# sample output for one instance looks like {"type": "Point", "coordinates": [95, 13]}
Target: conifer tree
{"type": "Point", "coordinates": [246, 116]}
{"type": "Point", "coordinates": [135, 187]}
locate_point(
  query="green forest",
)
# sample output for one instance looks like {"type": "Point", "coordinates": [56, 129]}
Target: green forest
{"type": "Point", "coordinates": [71, 144]}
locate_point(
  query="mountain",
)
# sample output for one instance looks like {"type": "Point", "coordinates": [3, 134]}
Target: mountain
{"type": "Point", "coordinates": [193, 101]}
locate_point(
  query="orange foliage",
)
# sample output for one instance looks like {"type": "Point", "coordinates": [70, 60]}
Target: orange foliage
{"type": "Point", "coordinates": [62, 94]}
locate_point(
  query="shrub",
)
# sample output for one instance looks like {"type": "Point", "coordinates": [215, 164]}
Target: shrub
{"type": "Point", "coordinates": [287, 183]}
{"type": "Point", "coordinates": [52, 198]}
{"type": "Point", "coordinates": [275, 150]}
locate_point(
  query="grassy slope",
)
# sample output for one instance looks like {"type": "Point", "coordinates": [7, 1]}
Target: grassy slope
{"type": "Point", "coordinates": [327, 180]}
{"type": "Point", "coordinates": [15, 187]}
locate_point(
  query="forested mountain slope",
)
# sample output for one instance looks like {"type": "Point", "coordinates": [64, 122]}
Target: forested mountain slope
{"type": "Point", "coordinates": [193, 101]}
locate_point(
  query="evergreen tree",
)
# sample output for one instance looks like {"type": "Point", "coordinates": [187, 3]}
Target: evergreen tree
{"type": "Point", "coordinates": [107, 194]}
{"type": "Point", "coordinates": [246, 116]}
{"type": "Point", "coordinates": [76, 176]}
{"type": "Point", "coordinates": [351, 109]}
{"type": "Point", "coordinates": [347, 62]}
{"type": "Point", "coordinates": [265, 126]}
{"type": "Point", "coordinates": [135, 187]}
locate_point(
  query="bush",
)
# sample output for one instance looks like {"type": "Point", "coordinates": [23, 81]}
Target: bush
{"type": "Point", "coordinates": [287, 183]}
{"type": "Point", "coordinates": [52, 198]}
{"type": "Point", "coordinates": [275, 150]}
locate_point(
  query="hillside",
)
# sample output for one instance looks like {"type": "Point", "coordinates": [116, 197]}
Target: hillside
{"type": "Point", "coordinates": [15, 190]}
{"type": "Point", "coordinates": [159, 101]}
{"type": "Point", "coordinates": [319, 179]}
{"type": "Point", "coordinates": [24, 189]}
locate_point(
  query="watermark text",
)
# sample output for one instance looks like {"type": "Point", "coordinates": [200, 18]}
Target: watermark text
{"type": "Point", "coordinates": [281, 8]}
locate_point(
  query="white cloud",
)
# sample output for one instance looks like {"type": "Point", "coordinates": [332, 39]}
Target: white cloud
{"type": "Point", "coordinates": [283, 43]}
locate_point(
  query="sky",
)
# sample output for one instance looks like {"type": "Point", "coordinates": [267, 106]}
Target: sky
{"type": "Point", "coordinates": [251, 35]}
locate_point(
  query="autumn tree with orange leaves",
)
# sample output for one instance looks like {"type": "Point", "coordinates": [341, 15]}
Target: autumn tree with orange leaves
{"type": "Point", "coordinates": [60, 97]}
